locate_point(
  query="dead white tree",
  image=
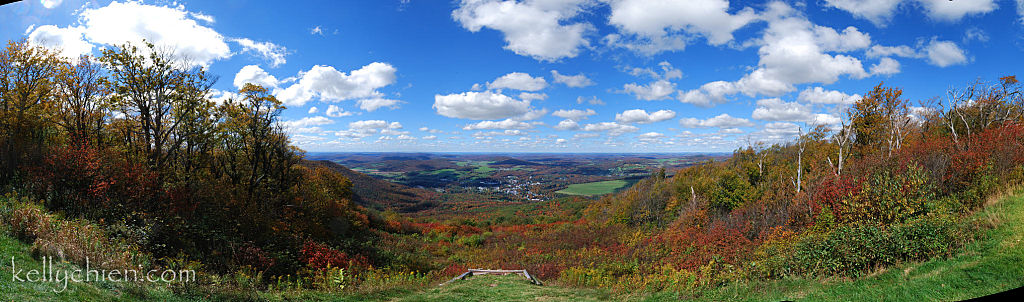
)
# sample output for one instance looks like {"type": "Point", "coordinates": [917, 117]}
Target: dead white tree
{"type": "Point", "coordinates": [961, 100]}
{"type": "Point", "coordinates": [957, 100]}
{"type": "Point", "coordinates": [760, 151]}
{"type": "Point", "coordinates": [899, 120]}
{"type": "Point", "coordinates": [842, 140]}
{"type": "Point", "coordinates": [800, 144]}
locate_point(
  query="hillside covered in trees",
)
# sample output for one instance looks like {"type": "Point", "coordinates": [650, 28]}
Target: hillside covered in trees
{"type": "Point", "coordinates": [126, 157]}
{"type": "Point", "coordinates": [132, 140]}
{"type": "Point", "coordinates": [379, 194]}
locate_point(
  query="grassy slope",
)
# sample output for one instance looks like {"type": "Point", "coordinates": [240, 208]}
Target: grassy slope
{"type": "Point", "coordinates": [13, 290]}
{"type": "Point", "coordinates": [504, 288]}
{"type": "Point", "coordinates": [992, 264]}
{"type": "Point", "coordinates": [593, 188]}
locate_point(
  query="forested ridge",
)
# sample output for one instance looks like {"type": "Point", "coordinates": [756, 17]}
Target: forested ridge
{"type": "Point", "coordinates": [129, 153]}
{"type": "Point", "coordinates": [132, 140]}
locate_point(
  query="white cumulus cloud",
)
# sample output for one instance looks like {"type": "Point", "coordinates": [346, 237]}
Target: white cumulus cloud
{"type": "Point", "coordinates": [70, 40]}
{"type": "Point", "coordinates": [567, 124]}
{"type": "Point", "coordinates": [374, 124]}
{"type": "Point", "coordinates": [952, 11]}
{"type": "Point", "coordinates": [330, 84]}
{"type": "Point", "coordinates": [792, 51]}
{"type": "Point", "coordinates": [335, 111]}
{"type": "Point", "coordinates": [613, 128]}
{"type": "Point", "coordinates": [255, 75]}
{"type": "Point", "coordinates": [269, 51]}
{"type": "Point", "coordinates": [886, 66]}
{"type": "Point", "coordinates": [775, 109]}
{"type": "Point", "coordinates": [49, 4]}
{"type": "Point", "coordinates": [377, 103]}
{"type": "Point", "coordinates": [538, 29]}
{"type": "Point", "coordinates": [484, 105]}
{"type": "Point", "coordinates": [652, 26]}
{"type": "Point", "coordinates": [172, 27]}
{"type": "Point", "coordinates": [650, 136]}
{"type": "Point", "coordinates": [502, 124]}
{"type": "Point", "coordinates": [721, 121]}
{"type": "Point", "coordinates": [657, 90]}
{"type": "Point", "coordinates": [881, 12]}
{"type": "Point", "coordinates": [819, 95]}
{"type": "Point", "coordinates": [518, 81]}
{"type": "Point", "coordinates": [640, 116]}
{"type": "Point", "coordinates": [575, 81]}
{"type": "Point", "coordinates": [306, 124]}
{"type": "Point", "coordinates": [574, 114]}
{"type": "Point", "coordinates": [945, 53]}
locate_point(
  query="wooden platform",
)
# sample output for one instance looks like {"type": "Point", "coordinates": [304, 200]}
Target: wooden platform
{"type": "Point", "coordinates": [478, 272]}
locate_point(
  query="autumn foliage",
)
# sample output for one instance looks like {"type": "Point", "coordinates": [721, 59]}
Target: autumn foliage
{"type": "Point", "coordinates": [133, 141]}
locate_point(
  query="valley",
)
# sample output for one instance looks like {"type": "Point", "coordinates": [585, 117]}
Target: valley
{"type": "Point", "coordinates": [441, 180]}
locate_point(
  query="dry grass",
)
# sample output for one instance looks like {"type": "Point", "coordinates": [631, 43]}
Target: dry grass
{"type": "Point", "coordinates": [1003, 193]}
{"type": "Point", "coordinates": [73, 241]}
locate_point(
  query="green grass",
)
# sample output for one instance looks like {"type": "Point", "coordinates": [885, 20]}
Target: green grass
{"type": "Point", "coordinates": [505, 288]}
{"type": "Point", "coordinates": [439, 171]}
{"type": "Point", "coordinates": [593, 188]}
{"type": "Point", "coordinates": [15, 290]}
{"type": "Point", "coordinates": [484, 169]}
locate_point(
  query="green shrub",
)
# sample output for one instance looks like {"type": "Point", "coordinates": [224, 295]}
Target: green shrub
{"type": "Point", "coordinates": [890, 197]}
{"type": "Point", "coordinates": [852, 249]}
{"type": "Point", "coordinates": [732, 192]}
{"type": "Point", "coordinates": [473, 240]}
{"type": "Point", "coordinates": [377, 280]}
{"type": "Point", "coordinates": [658, 279]}
{"type": "Point", "coordinates": [588, 277]}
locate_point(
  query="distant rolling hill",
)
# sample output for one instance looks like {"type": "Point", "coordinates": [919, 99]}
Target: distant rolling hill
{"type": "Point", "coordinates": [379, 194]}
{"type": "Point", "coordinates": [515, 162]}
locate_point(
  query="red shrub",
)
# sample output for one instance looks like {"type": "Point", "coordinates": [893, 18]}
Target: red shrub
{"type": "Point", "coordinates": [831, 191]}
{"type": "Point", "coordinates": [82, 179]}
{"type": "Point", "coordinates": [251, 255]}
{"type": "Point", "coordinates": [320, 256]}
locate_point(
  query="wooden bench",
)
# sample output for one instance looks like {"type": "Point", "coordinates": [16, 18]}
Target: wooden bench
{"type": "Point", "coordinates": [478, 272]}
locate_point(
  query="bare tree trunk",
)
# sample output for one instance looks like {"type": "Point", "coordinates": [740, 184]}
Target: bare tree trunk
{"type": "Point", "coordinates": [799, 159]}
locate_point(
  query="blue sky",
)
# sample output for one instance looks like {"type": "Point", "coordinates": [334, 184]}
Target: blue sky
{"type": "Point", "coordinates": [554, 75]}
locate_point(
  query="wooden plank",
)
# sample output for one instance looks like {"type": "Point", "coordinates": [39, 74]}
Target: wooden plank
{"type": "Point", "coordinates": [498, 270]}
{"type": "Point", "coordinates": [531, 278]}
{"type": "Point", "coordinates": [460, 277]}
{"type": "Point", "coordinates": [472, 272]}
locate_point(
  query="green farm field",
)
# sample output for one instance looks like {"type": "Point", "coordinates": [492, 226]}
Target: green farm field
{"type": "Point", "coordinates": [594, 188]}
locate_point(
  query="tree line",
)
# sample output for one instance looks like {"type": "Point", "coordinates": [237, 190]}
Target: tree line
{"type": "Point", "coordinates": [134, 138]}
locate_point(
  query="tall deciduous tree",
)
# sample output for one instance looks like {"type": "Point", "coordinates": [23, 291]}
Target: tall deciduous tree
{"type": "Point", "coordinates": [26, 90]}
{"type": "Point", "coordinates": [160, 95]}
{"type": "Point", "coordinates": [256, 150]}
{"type": "Point", "coordinates": [878, 121]}
{"type": "Point", "coordinates": [79, 107]}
